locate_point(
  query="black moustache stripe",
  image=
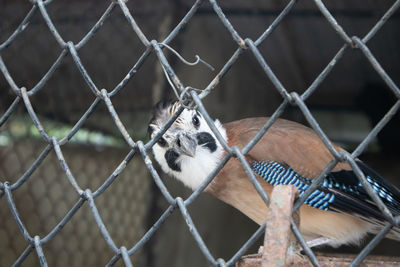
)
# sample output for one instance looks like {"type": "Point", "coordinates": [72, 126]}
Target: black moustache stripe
{"type": "Point", "coordinates": [171, 156]}
{"type": "Point", "coordinates": [206, 140]}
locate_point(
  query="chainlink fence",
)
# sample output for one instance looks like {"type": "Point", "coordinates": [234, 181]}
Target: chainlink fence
{"type": "Point", "coordinates": [86, 203]}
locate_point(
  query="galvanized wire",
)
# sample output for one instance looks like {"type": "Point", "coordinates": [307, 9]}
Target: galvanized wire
{"type": "Point", "coordinates": [187, 95]}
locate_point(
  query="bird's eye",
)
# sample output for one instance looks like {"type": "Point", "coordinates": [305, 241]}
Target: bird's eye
{"type": "Point", "coordinates": [196, 121]}
{"type": "Point", "coordinates": [161, 142]}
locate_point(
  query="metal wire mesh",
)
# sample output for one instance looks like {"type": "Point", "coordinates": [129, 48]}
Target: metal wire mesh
{"type": "Point", "coordinates": [44, 200]}
{"type": "Point", "coordinates": [187, 96]}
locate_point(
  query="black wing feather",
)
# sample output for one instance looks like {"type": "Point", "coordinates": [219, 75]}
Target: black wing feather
{"type": "Point", "coordinates": [389, 194]}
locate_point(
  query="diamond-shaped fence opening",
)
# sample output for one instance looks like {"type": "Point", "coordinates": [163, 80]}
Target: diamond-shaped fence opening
{"type": "Point", "coordinates": [77, 184]}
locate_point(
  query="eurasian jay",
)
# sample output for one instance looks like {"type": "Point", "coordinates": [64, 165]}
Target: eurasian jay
{"type": "Point", "coordinates": [339, 211]}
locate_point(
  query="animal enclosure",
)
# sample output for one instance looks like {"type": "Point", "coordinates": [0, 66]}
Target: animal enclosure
{"type": "Point", "coordinates": [77, 181]}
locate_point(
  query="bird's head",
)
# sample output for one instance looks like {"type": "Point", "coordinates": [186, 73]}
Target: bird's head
{"type": "Point", "coordinates": [189, 149]}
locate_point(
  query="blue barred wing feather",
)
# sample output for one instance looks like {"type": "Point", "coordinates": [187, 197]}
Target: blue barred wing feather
{"type": "Point", "coordinates": [340, 191]}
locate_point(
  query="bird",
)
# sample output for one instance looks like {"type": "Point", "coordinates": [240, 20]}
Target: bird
{"type": "Point", "coordinates": [339, 211]}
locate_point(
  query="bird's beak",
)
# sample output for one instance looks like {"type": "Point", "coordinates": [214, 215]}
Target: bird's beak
{"type": "Point", "coordinates": [186, 144]}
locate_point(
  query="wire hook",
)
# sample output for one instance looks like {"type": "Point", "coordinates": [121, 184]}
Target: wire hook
{"type": "Point", "coordinates": [197, 61]}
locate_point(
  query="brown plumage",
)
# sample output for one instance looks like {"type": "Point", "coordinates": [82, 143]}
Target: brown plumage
{"type": "Point", "coordinates": [341, 210]}
{"type": "Point", "coordinates": [297, 146]}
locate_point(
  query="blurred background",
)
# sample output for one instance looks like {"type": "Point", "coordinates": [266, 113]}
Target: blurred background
{"type": "Point", "coordinates": [347, 105]}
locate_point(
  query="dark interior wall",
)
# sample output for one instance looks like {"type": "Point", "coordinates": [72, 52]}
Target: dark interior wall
{"type": "Point", "coordinates": [297, 51]}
